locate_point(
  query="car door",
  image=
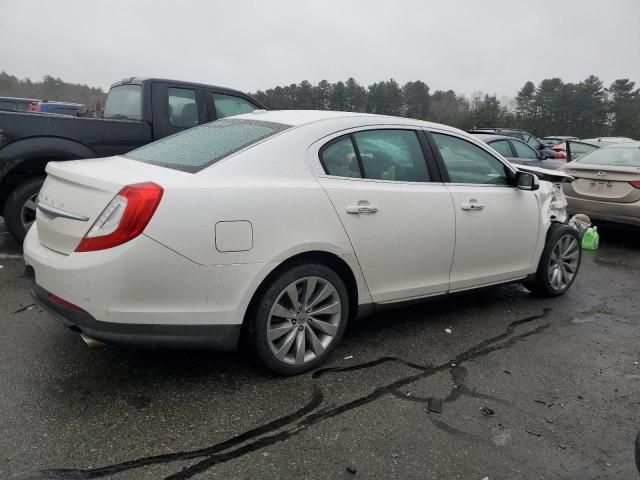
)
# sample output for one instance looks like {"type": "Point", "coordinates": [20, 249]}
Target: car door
{"type": "Point", "coordinates": [394, 207]}
{"type": "Point", "coordinates": [176, 108]}
{"type": "Point", "coordinates": [576, 149]}
{"type": "Point", "coordinates": [496, 223]}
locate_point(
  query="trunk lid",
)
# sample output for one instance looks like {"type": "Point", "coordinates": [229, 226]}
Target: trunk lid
{"type": "Point", "coordinates": [603, 183]}
{"type": "Point", "coordinates": [76, 192]}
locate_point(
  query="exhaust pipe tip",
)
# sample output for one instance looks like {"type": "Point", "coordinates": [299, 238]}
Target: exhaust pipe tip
{"type": "Point", "coordinates": [92, 342]}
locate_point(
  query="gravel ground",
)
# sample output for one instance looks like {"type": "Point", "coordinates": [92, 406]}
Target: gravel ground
{"type": "Point", "coordinates": [522, 388]}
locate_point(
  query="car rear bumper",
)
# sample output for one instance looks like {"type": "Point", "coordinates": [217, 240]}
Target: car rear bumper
{"type": "Point", "coordinates": [142, 292]}
{"type": "Point", "coordinates": [219, 337]}
{"type": "Point", "coordinates": [611, 212]}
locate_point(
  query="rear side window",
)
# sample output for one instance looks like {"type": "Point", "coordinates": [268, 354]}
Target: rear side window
{"type": "Point", "coordinates": [197, 148]}
{"type": "Point", "coordinates": [124, 102]}
{"type": "Point", "coordinates": [183, 109]}
{"type": "Point", "coordinates": [502, 147]}
{"type": "Point", "coordinates": [228, 105]}
{"type": "Point", "coordinates": [391, 155]}
{"type": "Point", "coordinates": [394, 155]}
{"type": "Point", "coordinates": [614, 156]}
{"type": "Point", "coordinates": [339, 158]}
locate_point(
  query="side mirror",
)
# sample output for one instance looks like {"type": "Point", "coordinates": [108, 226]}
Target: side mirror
{"type": "Point", "coordinates": [542, 156]}
{"type": "Point", "coordinates": [527, 181]}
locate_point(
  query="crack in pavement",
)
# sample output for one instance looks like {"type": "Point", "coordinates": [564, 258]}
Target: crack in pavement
{"type": "Point", "coordinates": [459, 389]}
{"type": "Point", "coordinates": [291, 425]}
{"type": "Point", "coordinates": [26, 307]}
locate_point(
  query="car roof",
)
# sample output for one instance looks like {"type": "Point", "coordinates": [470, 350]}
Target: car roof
{"type": "Point", "coordinates": [609, 139]}
{"type": "Point", "coordinates": [141, 80]}
{"type": "Point", "coordinates": [493, 130]}
{"type": "Point", "coordinates": [490, 137]}
{"type": "Point", "coordinates": [304, 117]}
{"type": "Point", "coordinates": [632, 144]}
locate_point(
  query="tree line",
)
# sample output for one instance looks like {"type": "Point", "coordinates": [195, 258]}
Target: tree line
{"type": "Point", "coordinates": [553, 107]}
{"type": "Point", "coordinates": [51, 88]}
{"type": "Point", "coordinates": [584, 109]}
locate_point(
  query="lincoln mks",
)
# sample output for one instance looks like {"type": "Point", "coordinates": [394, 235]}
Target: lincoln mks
{"type": "Point", "coordinates": [280, 227]}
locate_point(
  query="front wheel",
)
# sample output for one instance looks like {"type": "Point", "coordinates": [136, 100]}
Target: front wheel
{"type": "Point", "coordinates": [300, 318]}
{"type": "Point", "coordinates": [559, 263]}
{"type": "Point", "coordinates": [20, 208]}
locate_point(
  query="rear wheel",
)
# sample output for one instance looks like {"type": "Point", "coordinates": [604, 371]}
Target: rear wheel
{"type": "Point", "coordinates": [300, 318]}
{"type": "Point", "coordinates": [559, 263]}
{"type": "Point", "coordinates": [20, 208]}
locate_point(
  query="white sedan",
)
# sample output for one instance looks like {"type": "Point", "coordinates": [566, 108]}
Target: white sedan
{"type": "Point", "coordinates": [283, 226]}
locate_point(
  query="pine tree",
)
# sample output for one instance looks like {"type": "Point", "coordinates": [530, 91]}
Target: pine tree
{"type": "Point", "coordinates": [623, 108]}
{"type": "Point", "coordinates": [416, 100]}
{"type": "Point", "coordinates": [525, 102]}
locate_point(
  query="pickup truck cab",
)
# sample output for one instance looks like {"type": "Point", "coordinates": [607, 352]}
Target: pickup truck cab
{"type": "Point", "coordinates": [137, 111]}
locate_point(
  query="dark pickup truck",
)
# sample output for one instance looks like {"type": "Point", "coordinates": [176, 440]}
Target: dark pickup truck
{"type": "Point", "coordinates": [137, 111]}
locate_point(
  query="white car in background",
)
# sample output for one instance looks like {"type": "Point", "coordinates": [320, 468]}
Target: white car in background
{"type": "Point", "coordinates": [287, 224]}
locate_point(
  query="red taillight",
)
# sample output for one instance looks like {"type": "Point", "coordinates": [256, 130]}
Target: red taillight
{"type": "Point", "coordinates": [560, 155]}
{"type": "Point", "coordinates": [64, 303]}
{"type": "Point", "coordinates": [124, 218]}
{"type": "Point", "coordinates": [635, 183]}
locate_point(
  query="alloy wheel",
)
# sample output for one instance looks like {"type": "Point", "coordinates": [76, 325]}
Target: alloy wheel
{"type": "Point", "coordinates": [304, 320]}
{"type": "Point", "coordinates": [563, 263]}
{"type": "Point", "coordinates": [28, 212]}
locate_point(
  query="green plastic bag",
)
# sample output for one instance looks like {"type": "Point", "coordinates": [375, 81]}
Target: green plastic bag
{"type": "Point", "coordinates": [591, 239]}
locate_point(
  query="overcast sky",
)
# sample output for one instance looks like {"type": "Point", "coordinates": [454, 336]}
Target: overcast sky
{"type": "Point", "coordinates": [466, 45]}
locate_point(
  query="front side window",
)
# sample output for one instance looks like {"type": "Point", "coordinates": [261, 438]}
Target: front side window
{"type": "Point", "coordinates": [183, 109]}
{"type": "Point", "coordinates": [124, 102]}
{"type": "Point", "coordinates": [533, 141]}
{"type": "Point", "coordinates": [228, 105]}
{"type": "Point", "coordinates": [197, 148]}
{"type": "Point", "coordinates": [524, 151]}
{"type": "Point", "coordinates": [502, 147]}
{"type": "Point", "coordinates": [468, 163]}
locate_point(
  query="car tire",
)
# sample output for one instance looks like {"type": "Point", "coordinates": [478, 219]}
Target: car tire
{"type": "Point", "coordinates": [18, 212]}
{"type": "Point", "coordinates": [291, 338]}
{"type": "Point", "coordinates": [559, 263]}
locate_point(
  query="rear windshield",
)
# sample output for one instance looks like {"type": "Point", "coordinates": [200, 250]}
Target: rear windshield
{"type": "Point", "coordinates": [614, 156]}
{"type": "Point", "coordinates": [197, 148]}
{"type": "Point", "coordinates": [124, 102]}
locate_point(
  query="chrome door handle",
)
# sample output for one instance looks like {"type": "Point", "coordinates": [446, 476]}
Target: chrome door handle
{"type": "Point", "coordinates": [472, 206]}
{"type": "Point", "coordinates": [358, 209]}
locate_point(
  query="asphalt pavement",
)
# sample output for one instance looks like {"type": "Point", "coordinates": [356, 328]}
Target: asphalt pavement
{"type": "Point", "coordinates": [521, 388]}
